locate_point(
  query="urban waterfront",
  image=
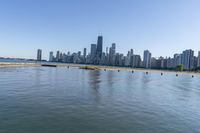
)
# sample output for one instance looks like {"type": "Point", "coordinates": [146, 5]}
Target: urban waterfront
{"type": "Point", "coordinates": [180, 61]}
{"type": "Point", "coordinates": [49, 100]}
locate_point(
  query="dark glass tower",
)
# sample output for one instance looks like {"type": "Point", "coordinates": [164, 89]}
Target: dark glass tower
{"type": "Point", "coordinates": [99, 49]}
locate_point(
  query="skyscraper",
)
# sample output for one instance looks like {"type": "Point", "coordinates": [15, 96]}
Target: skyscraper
{"type": "Point", "coordinates": [131, 52]}
{"type": "Point", "coordinates": [93, 52]}
{"type": "Point", "coordinates": [84, 52]}
{"type": "Point", "coordinates": [177, 59]}
{"type": "Point", "coordinates": [188, 59]}
{"type": "Point", "coordinates": [112, 54]}
{"type": "Point", "coordinates": [79, 54]}
{"type": "Point", "coordinates": [132, 58]}
{"type": "Point", "coordinates": [51, 58]}
{"type": "Point", "coordinates": [198, 59]}
{"type": "Point", "coordinates": [58, 56]}
{"type": "Point", "coordinates": [147, 59]}
{"type": "Point", "coordinates": [99, 49]}
{"type": "Point", "coordinates": [136, 61]}
{"type": "Point", "coordinates": [39, 55]}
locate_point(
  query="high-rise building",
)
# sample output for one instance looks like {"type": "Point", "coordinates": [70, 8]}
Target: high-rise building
{"type": "Point", "coordinates": [177, 59]}
{"type": "Point", "coordinates": [99, 49]}
{"type": "Point", "coordinates": [131, 52]}
{"type": "Point", "coordinates": [79, 54]}
{"type": "Point", "coordinates": [147, 59]}
{"type": "Point", "coordinates": [136, 61]}
{"type": "Point", "coordinates": [188, 59]}
{"type": "Point", "coordinates": [51, 58]}
{"type": "Point", "coordinates": [84, 52]}
{"type": "Point", "coordinates": [198, 59]}
{"type": "Point", "coordinates": [103, 59]}
{"type": "Point", "coordinates": [154, 63]}
{"type": "Point", "coordinates": [132, 58]}
{"type": "Point", "coordinates": [39, 54]}
{"type": "Point", "coordinates": [58, 56]}
{"type": "Point", "coordinates": [106, 50]}
{"type": "Point", "coordinates": [121, 60]}
{"type": "Point", "coordinates": [61, 57]}
{"type": "Point", "coordinates": [112, 54]}
{"type": "Point", "coordinates": [93, 52]}
{"type": "Point", "coordinates": [113, 48]}
{"type": "Point", "coordinates": [170, 63]}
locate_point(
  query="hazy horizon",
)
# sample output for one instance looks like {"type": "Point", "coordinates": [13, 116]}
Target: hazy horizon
{"type": "Point", "coordinates": [163, 27]}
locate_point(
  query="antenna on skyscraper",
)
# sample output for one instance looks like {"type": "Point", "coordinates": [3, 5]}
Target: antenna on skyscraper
{"type": "Point", "coordinates": [100, 33]}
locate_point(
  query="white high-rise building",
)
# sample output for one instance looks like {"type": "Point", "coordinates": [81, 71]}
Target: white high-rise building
{"type": "Point", "coordinates": [188, 59]}
{"type": "Point", "coordinates": [147, 59]}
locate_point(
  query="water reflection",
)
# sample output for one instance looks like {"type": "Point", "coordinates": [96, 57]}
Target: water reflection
{"type": "Point", "coordinates": [94, 82]}
{"type": "Point", "coordinates": [94, 79]}
{"type": "Point", "coordinates": [145, 80]}
{"type": "Point", "coordinates": [110, 78]}
{"type": "Point", "coordinates": [38, 76]}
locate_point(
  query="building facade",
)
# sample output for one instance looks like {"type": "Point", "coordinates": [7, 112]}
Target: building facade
{"type": "Point", "coordinates": [39, 55]}
{"type": "Point", "coordinates": [147, 59]}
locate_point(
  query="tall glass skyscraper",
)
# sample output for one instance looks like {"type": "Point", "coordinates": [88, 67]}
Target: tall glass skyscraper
{"type": "Point", "coordinates": [99, 49]}
{"type": "Point", "coordinates": [93, 52]}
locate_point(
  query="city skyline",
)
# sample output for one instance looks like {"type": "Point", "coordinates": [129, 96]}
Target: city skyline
{"type": "Point", "coordinates": [104, 49]}
{"type": "Point", "coordinates": [111, 57]}
{"type": "Point", "coordinates": [164, 28]}
{"type": "Point", "coordinates": [100, 66]}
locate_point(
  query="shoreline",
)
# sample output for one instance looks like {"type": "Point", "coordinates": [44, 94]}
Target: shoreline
{"type": "Point", "coordinates": [107, 68]}
{"type": "Point", "coordinates": [16, 64]}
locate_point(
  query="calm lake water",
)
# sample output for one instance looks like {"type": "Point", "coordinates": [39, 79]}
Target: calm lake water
{"type": "Point", "coordinates": [61, 100]}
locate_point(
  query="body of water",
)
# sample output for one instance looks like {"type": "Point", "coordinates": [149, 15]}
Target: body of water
{"type": "Point", "coordinates": [15, 60]}
{"type": "Point", "coordinates": [61, 100]}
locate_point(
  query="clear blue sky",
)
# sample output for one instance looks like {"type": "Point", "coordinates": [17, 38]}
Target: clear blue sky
{"type": "Point", "coordinates": [162, 26]}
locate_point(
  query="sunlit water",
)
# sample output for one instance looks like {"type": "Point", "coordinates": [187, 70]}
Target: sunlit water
{"type": "Point", "coordinates": [61, 100]}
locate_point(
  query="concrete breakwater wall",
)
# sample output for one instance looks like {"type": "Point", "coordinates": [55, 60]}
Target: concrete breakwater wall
{"type": "Point", "coordinates": [11, 64]}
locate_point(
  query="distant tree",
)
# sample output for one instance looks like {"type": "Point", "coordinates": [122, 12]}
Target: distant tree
{"type": "Point", "coordinates": [179, 67]}
{"type": "Point", "coordinates": [197, 69]}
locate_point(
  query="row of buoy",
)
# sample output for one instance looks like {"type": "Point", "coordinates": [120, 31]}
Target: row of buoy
{"type": "Point", "coordinates": [160, 74]}
{"type": "Point", "coordinates": [148, 73]}
{"type": "Point", "coordinates": [145, 72]}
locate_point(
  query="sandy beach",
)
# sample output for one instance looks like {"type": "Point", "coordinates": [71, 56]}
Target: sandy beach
{"type": "Point", "coordinates": [104, 68]}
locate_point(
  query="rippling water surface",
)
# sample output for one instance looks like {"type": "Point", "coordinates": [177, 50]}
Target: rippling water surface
{"type": "Point", "coordinates": [61, 100]}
